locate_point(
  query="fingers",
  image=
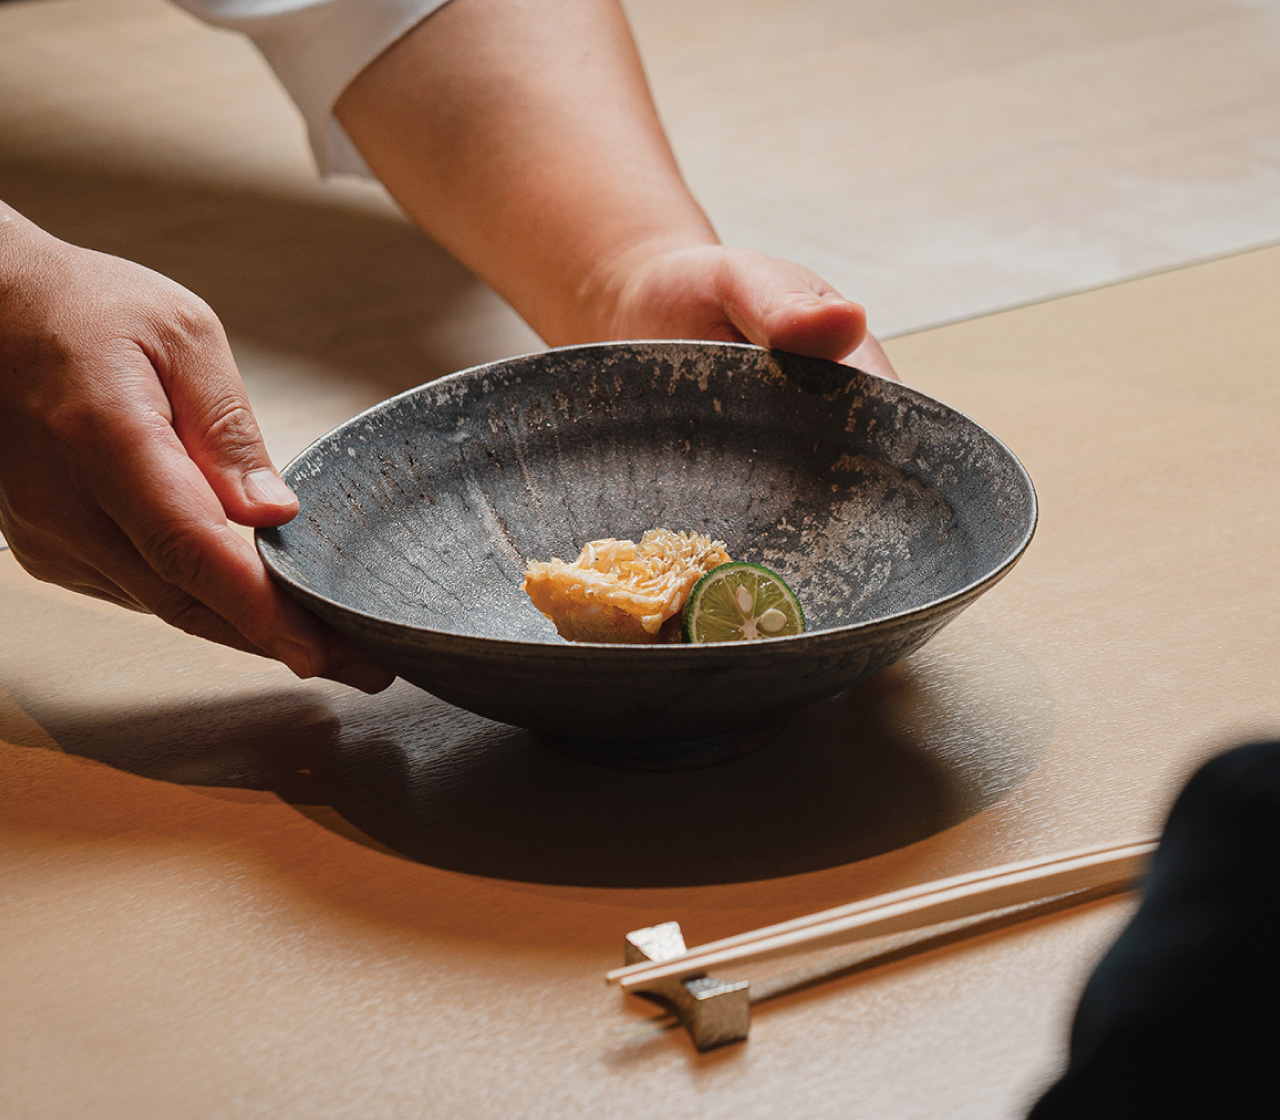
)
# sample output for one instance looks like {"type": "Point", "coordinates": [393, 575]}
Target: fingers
{"type": "Point", "coordinates": [714, 292]}
{"type": "Point", "coordinates": [174, 553]}
{"type": "Point", "coordinates": [133, 583]}
{"type": "Point", "coordinates": [870, 356]}
{"type": "Point", "coordinates": [280, 627]}
{"type": "Point", "coordinates": [783, 306]}
{"type": "Point", "coordinates": [220, 578]}
{"type": "Point", "coordinates": [212, 417]}
{"type": "Point", "coordinates": [166, 544]}
{"type": "Point", "coordinates": [780, 305]}
{"type": "Point", "coordinates": [351, 666]}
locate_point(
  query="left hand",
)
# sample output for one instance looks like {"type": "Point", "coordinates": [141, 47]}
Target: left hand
{"type": "Point", "coordinates": [740, 295]}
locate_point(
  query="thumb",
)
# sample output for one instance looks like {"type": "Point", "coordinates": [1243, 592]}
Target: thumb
{"type": "Point", "coordinates": [213, 419]}
{"type": "Point", "coordinates": [784, 306]}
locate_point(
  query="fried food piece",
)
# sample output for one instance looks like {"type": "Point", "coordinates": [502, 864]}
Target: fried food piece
{"type": "Point", "coordinates": [620, 591]}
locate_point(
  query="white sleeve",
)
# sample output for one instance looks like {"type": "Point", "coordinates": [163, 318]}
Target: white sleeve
{"type": "Point", "coordinates": [316, 47]}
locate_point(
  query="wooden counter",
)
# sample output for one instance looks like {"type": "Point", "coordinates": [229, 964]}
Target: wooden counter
{"type": "Point", "coordinates": [206, 912]}
{"type": "Point", "coordinates": [228, 894]}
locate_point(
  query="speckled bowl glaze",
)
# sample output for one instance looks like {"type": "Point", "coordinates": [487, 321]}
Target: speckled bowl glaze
{"type": "Point", "coordinates": [886, 511]}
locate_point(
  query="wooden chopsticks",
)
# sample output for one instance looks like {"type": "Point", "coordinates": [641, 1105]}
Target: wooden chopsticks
{"type": "Point", "coordinates": [961, 896]}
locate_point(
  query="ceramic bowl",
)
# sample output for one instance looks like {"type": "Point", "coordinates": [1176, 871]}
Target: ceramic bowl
{"type": "Point", "coordinates": [887, 511]}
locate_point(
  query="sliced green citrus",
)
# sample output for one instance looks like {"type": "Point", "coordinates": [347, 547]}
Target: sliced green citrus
{"type": "Point", "coordinates": [741, 602]}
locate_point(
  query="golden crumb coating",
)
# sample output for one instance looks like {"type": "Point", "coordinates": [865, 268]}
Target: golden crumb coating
{"type": "Point", "coordinates": [620, 591]}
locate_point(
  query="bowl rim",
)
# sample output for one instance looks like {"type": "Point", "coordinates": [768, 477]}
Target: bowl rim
{"type": "Point", "coordinates": [945, 605]}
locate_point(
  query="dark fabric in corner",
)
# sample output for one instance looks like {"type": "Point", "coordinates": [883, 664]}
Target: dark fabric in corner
{"type": "Point", "coordinates": [1180, 1016]}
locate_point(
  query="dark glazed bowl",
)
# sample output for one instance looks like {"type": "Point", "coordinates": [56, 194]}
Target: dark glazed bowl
{"type": "Point", "coordinates": [885, 510]}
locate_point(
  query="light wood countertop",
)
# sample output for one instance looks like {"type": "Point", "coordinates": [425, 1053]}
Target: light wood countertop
{"type": "Point", "coordinates": [225, 893]}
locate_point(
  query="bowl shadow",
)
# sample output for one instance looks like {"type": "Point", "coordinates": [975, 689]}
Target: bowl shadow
{"type": "Point", "coordinates": [891, 761]}
{"type": "Point", "coordinates": [894, 760]}
{"type": "Point", "coordinates": [834, 786]}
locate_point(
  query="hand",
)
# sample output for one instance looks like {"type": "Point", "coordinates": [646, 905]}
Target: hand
{"type": "Point", "coordinates": [737, 295]}
{"type": "Point", "coordinates": [127, 443]}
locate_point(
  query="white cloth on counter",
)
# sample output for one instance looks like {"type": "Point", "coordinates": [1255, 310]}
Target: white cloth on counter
{"type": "Point", "coordinates": [316, 47]}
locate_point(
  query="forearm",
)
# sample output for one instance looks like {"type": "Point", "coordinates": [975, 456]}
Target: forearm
{"type": "Point", "coordinates": [522, 137]}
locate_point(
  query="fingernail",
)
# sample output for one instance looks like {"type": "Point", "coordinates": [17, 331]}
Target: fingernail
{"type": "Point", "coordinates": [366, 676]}
{"type": "Point", "coordinates": [267, 487]}
{"type": "Point", "coordinates": [296, 656]}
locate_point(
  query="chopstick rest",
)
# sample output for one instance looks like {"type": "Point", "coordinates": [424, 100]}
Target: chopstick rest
{"type": "Point", "coordinates": [716, 1012]}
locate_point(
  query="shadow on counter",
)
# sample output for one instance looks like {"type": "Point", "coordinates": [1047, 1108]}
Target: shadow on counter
{"type": "Point", "coordinates": [898, 758]}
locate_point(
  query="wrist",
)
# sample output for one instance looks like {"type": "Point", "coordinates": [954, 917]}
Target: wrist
{"type": "Point", "coordinates": [12, 235]}
{"type": "Point", "coordinates": [22, 244]}
{"type": "Point", "coordinates": [14, 231]}
{"type": "Point", "coordinates": [605, 300]}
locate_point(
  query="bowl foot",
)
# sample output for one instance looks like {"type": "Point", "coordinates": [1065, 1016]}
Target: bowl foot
{"type": "Point", "coordinates": [683, 754]}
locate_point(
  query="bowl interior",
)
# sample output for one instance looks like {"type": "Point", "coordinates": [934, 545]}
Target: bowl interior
{"type": "Point", "coordinates": [870, 498]}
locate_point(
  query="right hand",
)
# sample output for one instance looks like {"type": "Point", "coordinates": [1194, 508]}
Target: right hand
{"type": "Point", "coordinates": [126, 443]}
